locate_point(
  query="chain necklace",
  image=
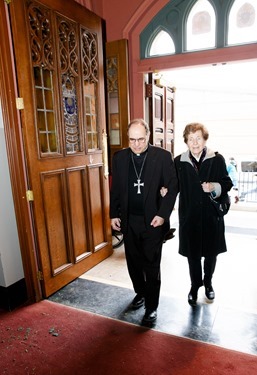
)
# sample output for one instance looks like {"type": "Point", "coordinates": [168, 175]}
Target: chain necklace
{"type": "Point", "coordinates": [139, 183]}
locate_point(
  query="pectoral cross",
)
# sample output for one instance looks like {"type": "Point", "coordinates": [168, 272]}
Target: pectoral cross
{"type": "Point", "coordinates": [138, 186]}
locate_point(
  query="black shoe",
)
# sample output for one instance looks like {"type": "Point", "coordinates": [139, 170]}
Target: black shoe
{"type": "Point", "coordinates": [192, 297]}
{"type": "Point", "coordinates": [137, 302]}
{"type": "Point", "coordinates": [150, 316]}
{"type": "Point", "coordinates": [209, 292]}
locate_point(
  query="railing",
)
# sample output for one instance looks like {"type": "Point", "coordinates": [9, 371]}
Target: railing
{"type": "Point", "coordinates": [247, 186]}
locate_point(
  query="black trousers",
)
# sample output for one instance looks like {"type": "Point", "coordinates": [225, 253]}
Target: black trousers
{"type": "Point", "coordinates": [143, 249]}
{"type": "Point", "coordinates": [196, 272]}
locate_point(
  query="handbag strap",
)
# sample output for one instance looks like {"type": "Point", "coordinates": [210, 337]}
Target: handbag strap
{"type": "Point", "coordinates": [209, 171]}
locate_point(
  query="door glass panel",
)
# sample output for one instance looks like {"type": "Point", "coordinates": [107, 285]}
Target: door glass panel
{"type": "Point", "coordinates": [47, 79]}
{"type": "Point", "coordinates": [41, 120]}
{"type": "Point", "coordinates": [50, 122]}
{"type": "Point", "coordinates": [49, 99]}
{"type": "Point", "coordinates": [39, 95]}
{"type": "Point", "coordinates": [113, 101]}
{"type": "Point", "coordinates": [90, 113]}
{"type": "Point", "coordinates": [43, 142]}
{"type": "Point", "coordinates": [46, 125]}
{"type": "Point", "coordinates": [90, 86]}
{"type": "Point", "coordinates": [52, 142]}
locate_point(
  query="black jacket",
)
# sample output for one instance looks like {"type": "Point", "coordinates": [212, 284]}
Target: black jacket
{"type": "Point", "coordinates": [159, 171]}
{"type": "Point", "coordinates": [201, 231]}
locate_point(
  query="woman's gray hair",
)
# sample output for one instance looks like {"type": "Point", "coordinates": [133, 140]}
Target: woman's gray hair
{"type": "Point", "coordinates": [139, 121]}
{"type": "Point", "coordinates": [192, 128]}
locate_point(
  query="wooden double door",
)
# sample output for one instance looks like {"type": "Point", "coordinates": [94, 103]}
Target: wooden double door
{"type": "Point", "coordinates": [58, 51]}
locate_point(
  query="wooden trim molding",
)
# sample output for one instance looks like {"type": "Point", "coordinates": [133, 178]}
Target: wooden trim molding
{"type": "Point", "coordinates": [15, 155]}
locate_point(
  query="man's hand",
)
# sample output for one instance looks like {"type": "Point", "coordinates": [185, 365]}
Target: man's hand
{"type": "Point", "coordinates": [157, 221]}
{"type": "Point", "coordinates": [163, 191]}
{"type": "Point", "coordinates": [115, 223]}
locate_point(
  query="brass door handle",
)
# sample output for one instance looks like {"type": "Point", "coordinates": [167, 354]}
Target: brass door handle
{"type": "Point", "coordinates": [105, 154]}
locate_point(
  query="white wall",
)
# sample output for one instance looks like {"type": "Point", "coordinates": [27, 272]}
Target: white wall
{"type": "Point", "coordinates": [230, 118]}
{"type": "Point", "coordinates": [224, 98]}
{"type": "Point", "coordinates": [11, 269]}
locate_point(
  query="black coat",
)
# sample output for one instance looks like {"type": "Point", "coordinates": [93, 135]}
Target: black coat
{"type": "Point", "coordinates": [201, 230]}
{"type": "Point", "coordinates": [159, 171]}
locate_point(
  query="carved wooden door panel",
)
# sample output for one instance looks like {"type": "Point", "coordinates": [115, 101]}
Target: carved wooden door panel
{"type": "Point", "coordinates": [117, 95]}
{"type": "Point", "coordinates": [159, 103]}
{"type": "Point", "coordinates": [158, 116]}
{"type": "Point", "coordinates": [59, 62]}
{"type": "Point", "coordinates": [170, 118]}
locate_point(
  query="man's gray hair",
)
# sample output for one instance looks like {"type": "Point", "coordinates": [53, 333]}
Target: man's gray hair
{"type": "Point", "coordinates": [141, 122]}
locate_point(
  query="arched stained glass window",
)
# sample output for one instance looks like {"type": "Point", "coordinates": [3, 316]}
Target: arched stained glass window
{"type": "Point", "coordinates": [201, 25]}
{"type": "Point", "coordinates": [242, 22]}
{"type": "Point", "coordinates": [185, 26]}
{"type": "Point", "coordinates": [162, 44]}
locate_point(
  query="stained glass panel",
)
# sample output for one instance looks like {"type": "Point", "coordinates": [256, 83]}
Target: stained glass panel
{"type": "Point", "coordinates": [162, 44]}
{"type": "Point", "coordinates": [201, 26]}
{"type": "Point", "coordinates": [113, 101]}
{"type": "Point", "coordinates": [242, 22]}
{"type": "Point", "coordinates": [70, 113]}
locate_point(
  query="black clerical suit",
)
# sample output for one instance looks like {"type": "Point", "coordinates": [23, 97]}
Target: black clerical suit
{"type": "Point", "coordinates": [137, 203]}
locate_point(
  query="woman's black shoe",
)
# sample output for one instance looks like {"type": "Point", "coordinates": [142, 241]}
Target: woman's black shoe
{"type": "Point", "coordinates": [192, 297]}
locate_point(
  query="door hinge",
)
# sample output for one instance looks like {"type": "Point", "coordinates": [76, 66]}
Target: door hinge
{"type": "Point", "coordinates": [29, 195]}
{"type": "Point", "coordinates": [40, 275]}
{"type": "Point", "coordinates": [19, 103]}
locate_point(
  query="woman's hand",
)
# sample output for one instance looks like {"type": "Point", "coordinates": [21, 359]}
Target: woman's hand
{"type": "Point", "coordinates": [208, 187]}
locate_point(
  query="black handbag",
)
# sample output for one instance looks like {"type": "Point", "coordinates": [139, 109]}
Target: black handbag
{"type": "Point", "coordinates": [221, 204]}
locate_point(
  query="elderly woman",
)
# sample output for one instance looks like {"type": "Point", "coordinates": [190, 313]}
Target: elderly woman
{"type": "Point", "coordinates": [201, 173]}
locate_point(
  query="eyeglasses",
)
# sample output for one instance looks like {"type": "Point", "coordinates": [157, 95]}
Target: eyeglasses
{"type": "Point", "coordinates": [139, 140]}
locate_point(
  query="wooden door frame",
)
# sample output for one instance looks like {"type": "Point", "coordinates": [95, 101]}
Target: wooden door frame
{"type": "Point", "coordinates": [16, 158]}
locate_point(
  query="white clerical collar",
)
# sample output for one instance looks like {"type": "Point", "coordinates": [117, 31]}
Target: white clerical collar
{"type": "Point", "coordinates": [142, 153]}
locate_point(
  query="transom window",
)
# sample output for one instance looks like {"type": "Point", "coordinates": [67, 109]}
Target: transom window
{"type": "Point", "coordinates": [183, 26]}
{"type": "Point", "coordinates": [162, 44]}
{"type": "Point", "coordinates": [242, 22]}
{"type": "Point", "coordinates": [200, 26]}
